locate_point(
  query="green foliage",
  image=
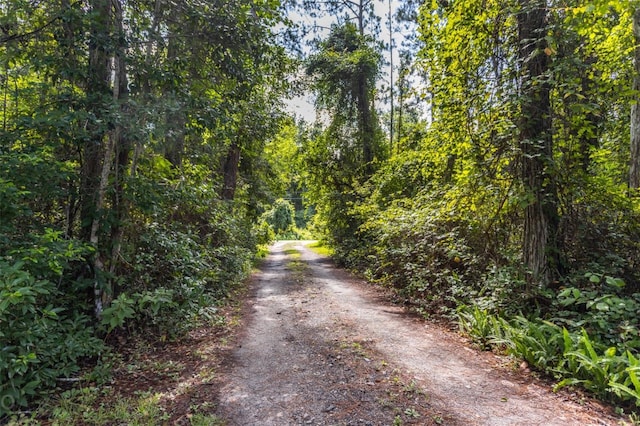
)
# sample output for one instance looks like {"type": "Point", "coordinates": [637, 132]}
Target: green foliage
{"type": "Point", "coordinates": [602, 371]}
{"type": "Point", "coordinates": [485, 329]}
{"type": "Point", "coordinates": [263, 233]}
{"type": "Point", "coordinates": [343, 61]}
{"type": "Point", "coordinates": [280, 217]}
{"type": "Point", "coordinates": [604, 314]}
{"type": "Point", "coordinates": [435, 254]}
{"type": "Point", "coordinates": [82, 405]}
{"type": "Point", "coordinates": [628, 386]}
{"type": "Point", "coordinates": [118, 312]}
{"type": "Point", "coordinates": [192, 252]}
{"type": "Point", "coordinates": [321, 248]}
{"type": "Point", "coordinates": [118, 189]}
{"type": "Point", "coordinates": [572, 357]}
{"type": "Point", "coordinates": [41, 341]}
{"type": "Point", "coordinates": [175, 276]}
{"type": "Point", "coordinates": [590, 369]}
{"type": "Point", "coordinates": [540, 343]}
{"type": "Point", "coordinates": [11, 208]}
{"type": "Point", "coordinates": [114, 125]}
{"type": "Point", "coordinates": [340, 158]}
{"type": "Point", "coordinates": [442, 221]}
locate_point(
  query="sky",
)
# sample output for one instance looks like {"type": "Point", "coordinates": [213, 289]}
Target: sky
{"type": "Point", "coordinates": [302, 106]}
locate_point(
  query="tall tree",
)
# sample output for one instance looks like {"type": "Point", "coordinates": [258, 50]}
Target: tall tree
{"type": "Point", "coordinates": [99, 148]}
{"type": "Point", "coordinates": [345, 70]}
{"type": "Point", "coordinates": [634, 169]}
{"type": "Point", "coordinates": [341, 158]}
{"type": "Point", "coordinates": [540, 251]}
{"type": "Point", "coordinates": [360, 11]}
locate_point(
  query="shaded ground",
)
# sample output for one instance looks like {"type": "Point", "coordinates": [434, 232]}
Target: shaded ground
{"type": "Point", "coordinates": [321, 348]}
{"type": "Point", "coordinates": [309, 344]}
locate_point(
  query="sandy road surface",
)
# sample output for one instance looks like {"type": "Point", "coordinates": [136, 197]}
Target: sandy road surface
{"type": "Point", "coordinates": [322, 348]}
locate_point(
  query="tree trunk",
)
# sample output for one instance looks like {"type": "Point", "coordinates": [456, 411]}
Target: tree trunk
{"type": "Point", "coordinates": [67, 40]}
{"type": "Point", "coordinates": [175, 118]}
{"type": "Point", "coordinates": [540, 217]}
{"type": "Point", "coordinates": [589, 138]}
{"type": "Point", "coordinates": [123, 145]}
{"type": "Point", "coordinates": [230, 171]}
{"type": "Point", "coordinates": [94, 238]}
{"type": "Point", "coordinates": [174, 149]}
{"type": "Point", "coordinates": [634, 169]}
{"type": "Point", "coordinates": [366, 125]}
{"type": "Point", "coordinates": [98, 94]}
{"type": "Point", "coordinates": [391, 92]}
{"type": "Point", "coordinates": [98, 150]}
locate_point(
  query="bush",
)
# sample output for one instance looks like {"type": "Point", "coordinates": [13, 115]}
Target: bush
{"type": "Point", "coordinates": [572, 357]}
{"type": "Point", "coordinates": [41, 341]}
{"type": "Point", "coordinates": [607, 315]}
{"type": "Point", "coordinates": [184, 252]}
{"type": "Point", "coordinates": [601, 235]}
{"type": "Point", "coordinates": [431, 256]}
{"type": "Point", "coordinates": [174, 276]}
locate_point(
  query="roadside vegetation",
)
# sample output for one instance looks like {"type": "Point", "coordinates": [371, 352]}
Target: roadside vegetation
{"type": "Point", "coordinates": [146, 159]}
{"type": "Point", "coordinates": [136, 160]}
{"type": "Point", "coordinates": [511, 205]}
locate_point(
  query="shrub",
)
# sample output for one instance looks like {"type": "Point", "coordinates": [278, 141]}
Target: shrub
{"type": "Point", "coordinates": [608, 316]}
{"type": "Point", "coordinates": [423, 252]}
{"type": "Point", "coordinates": [41, 341]}
{"type": "Point", "coordinates": [574, 358]}
{"type": "Point", "coordinates": [174, 276]}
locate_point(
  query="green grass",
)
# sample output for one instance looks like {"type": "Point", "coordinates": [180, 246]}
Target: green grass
{"type": "Point", "coordinates": [82, 406]}
{"type": "Point", "coordinates": [292, 253]}
{"type": "Point", "coordinates": [321, 248]}
{"type": "Point", "coordinates": [87, 406]}
{"type": "Point", "coordinates": [294, 264]}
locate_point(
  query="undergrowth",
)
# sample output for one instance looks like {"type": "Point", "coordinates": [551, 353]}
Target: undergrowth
{"type": "Point", "coordinates": [574, 357]}
{"type": "Point", "coordinates": [172, 277]}
{"type": "Point", "coordinates": [453, 249]}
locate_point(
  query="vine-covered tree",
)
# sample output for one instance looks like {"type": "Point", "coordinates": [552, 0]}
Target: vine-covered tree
{"type": "Point", "coordinates": [345, 70]}
{"type": "Point", "coordinates": [540, 249]}
{"type": "Point", "coordinates": [634, 169]}
{"type": "Point", "coordinates": [341, 158]}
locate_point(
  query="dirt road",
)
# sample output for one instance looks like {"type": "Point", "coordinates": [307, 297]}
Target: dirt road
{"type": "Point", "coordinates": [322, 348]}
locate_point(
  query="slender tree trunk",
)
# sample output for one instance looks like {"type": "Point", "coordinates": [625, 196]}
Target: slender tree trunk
{"type": "Point", "coordinates": [366, 125]}
{"type": "Point", "coordinates": [540, 216]}
{"type": "Point", "coordinates": [99, 258]}
{"type": "Point", "coordinates": [67, 41]}
{"type": "Point", "coordinates": [230, 170]}
{"type": "Point", "coordinates": [174, 150]}
{"type": "Point", "coordinates": [122, 144]}
{"type": "Point", "coordinates": [401, 94]}
{"type": "Point", "coordinates": [589, 139]}
{"type": "Point", "coordinates": [5, 103]}
{"type": "Point", "coordinates": [98, 94]}
{"type": "Point", "coordinates": [364, 111]}
{"type": "Point", "coordinates": [96, 157]}
{"type": "Point", "coordinates": [175, 118]}
{"type": "Point", "coordinates": [634, 169]}
{"type": "Point", "coordinates": [391, 79]}
{"type": "Point", "coordinates": [399, 122]}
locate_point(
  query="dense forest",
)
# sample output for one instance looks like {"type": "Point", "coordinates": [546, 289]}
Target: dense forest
{"type": "Point", "coordinates": [487, 169]}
